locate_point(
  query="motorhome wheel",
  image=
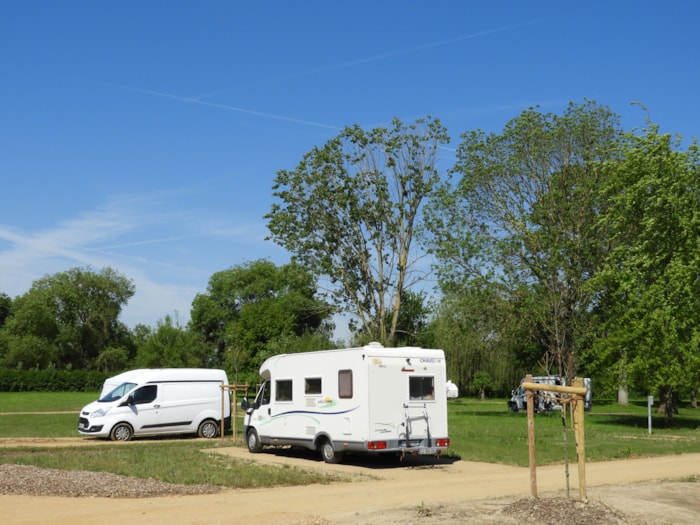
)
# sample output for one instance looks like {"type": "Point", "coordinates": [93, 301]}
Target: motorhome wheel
{"type": "Point", "coordinates": [254, 444]}
{"type": "Point", "coordinates": [208, 429]}
{"type": "Point", "coordinates": [121, 432]}
{"type": "Point", "coordinates": [328, 454]}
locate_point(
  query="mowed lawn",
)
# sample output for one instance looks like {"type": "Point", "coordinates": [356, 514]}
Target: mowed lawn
{"type": "Point", "coordinates": [479, 431]}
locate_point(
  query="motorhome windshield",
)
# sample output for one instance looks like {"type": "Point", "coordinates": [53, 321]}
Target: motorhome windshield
{"type": "Point", "coordinates": [118, 393]}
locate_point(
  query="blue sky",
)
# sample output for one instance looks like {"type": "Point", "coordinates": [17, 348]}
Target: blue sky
{"type": "Point", "coordinates": [146, 135]}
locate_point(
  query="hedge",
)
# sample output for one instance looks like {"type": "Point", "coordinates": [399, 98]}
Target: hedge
{"type": "Point", "coordinates": [51, 380]}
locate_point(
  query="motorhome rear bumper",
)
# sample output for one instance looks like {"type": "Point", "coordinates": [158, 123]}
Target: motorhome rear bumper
{"type": "Point", "coordinates": [428, 447]}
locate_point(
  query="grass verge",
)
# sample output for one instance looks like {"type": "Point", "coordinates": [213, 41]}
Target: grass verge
{"type": "Point", "coordinates": [187, 462]}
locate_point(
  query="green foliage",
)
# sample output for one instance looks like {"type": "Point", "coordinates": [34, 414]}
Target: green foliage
{"type": "Point", "coordinates": [650, 291]}
{"type": "Point", "coordinates": [474, 329]}
{"type": "Point", "coordinates": [482, 383]}
{"type": "Point", "coordinates": [412, 322]}
{"type": "Point", "coordinates": [521, 217]}
{"type": "Point", "coordinates": [255, 309]}
{"type": "Point", "coordinates": [171, 345]}
{"type": "Point", "coordinates": [349, 212]}
{"type": "Point", "coordinates": [5, 308]}
{"type": "Point", "coordinates": [65, 320]}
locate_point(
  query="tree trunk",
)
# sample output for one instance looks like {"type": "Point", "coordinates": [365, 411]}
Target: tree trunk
{"type": "Point", "coordinates": [693, 398]}
{"type": "Point", "coordinates": [622, 397]}
{"type": "Point", "coordinates": [667, 406]}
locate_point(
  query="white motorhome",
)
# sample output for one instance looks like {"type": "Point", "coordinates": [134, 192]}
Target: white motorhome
{"type": "Point", "coordinates": [159, 401]}
{"type": "Point", "coordinates": [367, 399]}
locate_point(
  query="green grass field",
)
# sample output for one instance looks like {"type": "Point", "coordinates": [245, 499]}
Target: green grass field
{"type": "Point", "coordinates": [479, 431]}
{"type": "Point", "coordinates": [486, 431]}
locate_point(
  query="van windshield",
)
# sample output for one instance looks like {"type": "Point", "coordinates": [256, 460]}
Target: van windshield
{"type": "Point", "coordinates": [117, 393]}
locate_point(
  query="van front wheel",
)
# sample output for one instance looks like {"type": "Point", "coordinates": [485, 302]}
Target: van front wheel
{"type": "Point", "coordinates": [208, 429]}
{"type": "Point", "coordinates": [253, 441]}
{"type": "Point", "coordinates": [121, 432]}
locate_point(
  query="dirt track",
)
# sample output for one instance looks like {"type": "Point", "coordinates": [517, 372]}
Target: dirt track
{"type": "Point", "coordinates": [421, 492]}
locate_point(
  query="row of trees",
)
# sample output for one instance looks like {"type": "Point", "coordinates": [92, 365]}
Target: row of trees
{"type": "Point", "coordinates": [70, 320]}
{"type": "Point", "coordinates": [564, 244]}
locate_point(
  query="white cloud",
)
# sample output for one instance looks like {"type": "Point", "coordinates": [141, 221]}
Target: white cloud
{"type": "Point", "coordinates": [136, 236]}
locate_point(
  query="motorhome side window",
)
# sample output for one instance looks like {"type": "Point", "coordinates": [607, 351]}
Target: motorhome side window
{"type": "Point", "coordinates": [312, 386]}
{"type": "Point", "coordinates": [283, 390]}
{"type": "Point", "coordinates": [145, 394]}
{"type": "Point", "coordinates": [421, 387]}
{"type": "Point", "coordinates": [345, 384]}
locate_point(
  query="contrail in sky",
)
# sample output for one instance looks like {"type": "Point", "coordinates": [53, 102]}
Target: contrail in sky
{"type": "Point", "coordinates": [199, 99]}
{"type": "Point", "coordinates": [195, 100]}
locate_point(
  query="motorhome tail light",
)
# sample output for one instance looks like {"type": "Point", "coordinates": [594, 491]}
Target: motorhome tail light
{"type": "Point", "coordinates": [376, 445]}
{"type": "Point", "coordinates": [442, 442]}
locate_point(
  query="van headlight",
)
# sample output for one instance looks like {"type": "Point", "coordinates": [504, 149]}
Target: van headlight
{"type": "Point", "coordinates": [100, 412]}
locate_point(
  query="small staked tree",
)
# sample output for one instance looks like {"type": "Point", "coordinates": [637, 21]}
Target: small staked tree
{"type": "Point", "coordinates": [349, 212]}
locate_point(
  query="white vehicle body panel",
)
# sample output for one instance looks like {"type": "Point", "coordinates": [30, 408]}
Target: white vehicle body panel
{"type": "Point", "coordinates": [158, 401]}
{"type": "Point", "coordinates": [366, 399]}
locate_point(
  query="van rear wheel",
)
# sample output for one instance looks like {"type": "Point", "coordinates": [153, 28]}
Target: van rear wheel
{"type": "Point", "coordinates": [208, 429]}
{"type": "Point", "coordinates": [253, 441]}
{"type": "Point", "coordinates": [121, 432]}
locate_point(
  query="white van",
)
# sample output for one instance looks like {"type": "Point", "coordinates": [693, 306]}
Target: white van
{"type": "Point", "coordinates": [159, 401]}
{"type": "Point", "coordinates": [367, 399]}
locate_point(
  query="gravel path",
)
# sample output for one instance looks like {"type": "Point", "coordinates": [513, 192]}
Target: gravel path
{"type": "Point", "coordinates": [34, 481]}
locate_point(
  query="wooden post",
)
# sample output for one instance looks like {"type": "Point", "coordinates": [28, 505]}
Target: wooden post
{"type": "Point", "coordinates": [577, 394]}
{"type": "Point", "coordinates": [580, 440]}
{"type": "Point", "coordinates": [223, 395]}
{"type": "Point", "coordinates": [530, 396]}
{"type": "Point", "coordinates": [234, 424]}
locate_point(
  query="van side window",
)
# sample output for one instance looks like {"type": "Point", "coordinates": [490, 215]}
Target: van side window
{"type": "Point", "coordinates": [312, 386]}
{"type": "Point", "coordinates": [345, 384]}
{"type": "Point", "coordinates": [145, 394]}
{"type": "Point", "coordinates": [283, 390]}
{"type": "Point", "coordinates": [421, 387]}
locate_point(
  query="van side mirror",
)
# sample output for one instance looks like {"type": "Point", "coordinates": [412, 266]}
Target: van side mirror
{"type": "Point", "coordinates": [244, 404]}
{"type": "Point", "coordinates": [128, 401]}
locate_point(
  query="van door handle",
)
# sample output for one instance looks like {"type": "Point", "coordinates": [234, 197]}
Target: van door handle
{"type": "Point", "coordinates": [269, 411]}
{"type": "Point", "coordinates": [156, 406]}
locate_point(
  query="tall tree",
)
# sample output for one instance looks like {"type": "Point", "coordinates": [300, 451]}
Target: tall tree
{"type": "Point", "coordinates": [5, 308]}
{"type": "Point", "coordinates": [74, 314]}
{"type": "Point", "coordinates": [522, 214]}
{"type": "Point", "coordinates": [349, 212]}
{"type": "Point", "coordinates": [650, 284]}
{"type": "Point", "coordinates": [171, 345]}
{"type": "Point", "coordinates": [249, 308]}
{"type": "Point", "coordinates": [475, 327]}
